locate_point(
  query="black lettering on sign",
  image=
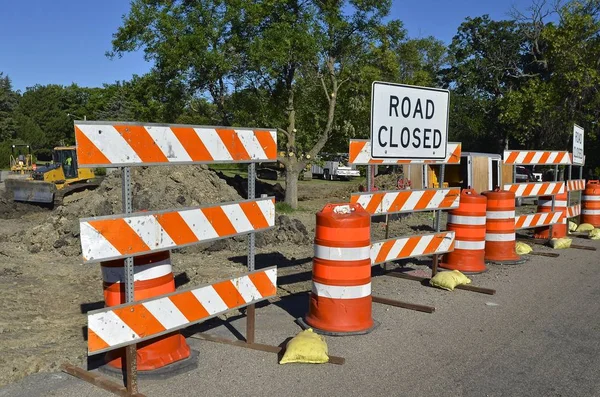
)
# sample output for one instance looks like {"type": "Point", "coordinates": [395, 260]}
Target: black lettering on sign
{"type": "Point", "coordinates": [392, 144]}
{"type": "Point", "coordinates": [437, 138]}
{"type": "Point", "coordinates": [426, 138]}
{"type": "Point", "coordinates": [405, 137]}
{"type": "Point", "coordinates": [394, 102]}
{"type": "Point", "coordinates": [382, 143]}
{"type": "Point", "coordinates": [429, 109]}
{"type": "Point", "coordinates": [405, 107]}
{"type": "Point", "coordinates": [418, 109]}
{"type": "Point", "coordinates": [417, 139]}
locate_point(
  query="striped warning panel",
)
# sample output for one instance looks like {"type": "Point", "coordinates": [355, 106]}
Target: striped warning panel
{"type": "Point", "coordinates": [574, 210]}
{"type": "Point", "coordinates": [575, 185]}
{"type": "Point", "coordinates": [533, 157]}
{"type": "Point", "coordinates": [536, 189]}
{"type": "Point", "coordinates": [410, 247]}
{"type": "Point", "coordinates": [106, 143]}
{"type": "Point", "coordinates": [138, 321]}
{"type": "Point", "coordinates": [407, 200]}
{"type": "Point", "coordinates": [539, 219]}
{"type": "Point", "coordinates": [360, 154]}
{"type": "Point", "coordinates": [118, 236]}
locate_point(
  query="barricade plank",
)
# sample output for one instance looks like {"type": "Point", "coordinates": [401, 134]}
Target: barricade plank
{"type": "Point", "coordinates": [360, 154]}
{"type": "Point", "coordinates": [574, 210]}
{"type": "Point", "coordinates": [574, 185]}
{"type": "Point", "coordinates": [412, 246]}
{"type": "Point", "coordinates": [539, 219]}
{"type": "Point", "coordinates": [106, 143]}
{"type": "Point", "coordinates": [138, 321]}
{"type": "Point", "coordinates": [536, 157]}
{"type": "Point", "coordinates": [389, 202]}
{"type": "Point", "coordinates": [533, 189]}
{"type": "Point", "coordinates": [119, 236]}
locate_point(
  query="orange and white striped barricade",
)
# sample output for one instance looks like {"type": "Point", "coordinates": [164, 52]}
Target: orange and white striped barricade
{"type": "Point", "coordinates": [340, 301]}
{"type": "Point", "coordinates": [500, 235]}
{"type": "Point", "coordinates": [591, 203]}
{"type": "Point", "coordinates": [545, 204]}
{"type": "Point", "coordinates": [528, 189]}
{"type": "Point", "coordinates": [468, 223]}
{"type": "Point", "coordinates": [574, 210]}
{"type": "Point", "coordinates": [157, 312]}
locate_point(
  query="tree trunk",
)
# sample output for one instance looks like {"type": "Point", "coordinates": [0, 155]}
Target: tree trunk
{"type": "Point", "coordinates": [291, 184]}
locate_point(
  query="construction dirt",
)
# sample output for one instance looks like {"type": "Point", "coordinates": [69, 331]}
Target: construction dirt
{"type": "Point", "coordinates": [46, 290]}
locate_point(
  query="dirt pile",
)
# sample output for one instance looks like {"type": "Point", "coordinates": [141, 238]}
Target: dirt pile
{"type": "Point", "coordinates": [287, 230]}
{"type": "Point", "coordinates": [240, 184]}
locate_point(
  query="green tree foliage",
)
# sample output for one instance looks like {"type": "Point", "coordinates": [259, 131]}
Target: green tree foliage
{"type": "Point", "coordinates": [8, 102]}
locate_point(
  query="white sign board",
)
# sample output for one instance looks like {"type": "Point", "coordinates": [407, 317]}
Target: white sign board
{"type": "Point", "coordinates": [409, 122]}
{"type": "Point", "coordinates": [577, 145]}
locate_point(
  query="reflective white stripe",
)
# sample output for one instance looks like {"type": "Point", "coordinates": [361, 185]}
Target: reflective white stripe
{"type": "Point", "coordinates": [342, 254]}
{"type": "Point", "coordinates": [548, 203]}
{"type": "Point", "coordinates": [469, 245]}
{"type": "Point", "coordinates": [168, 143]}
{"type": "Point", "coordinates": [165, 311]}
{"type": "Point", "coordinates": [466, 220]}
{"type": "Point", "coordinates": [500, 214]}
{"type": "Point", "coordinates": [337, 292]}
{"type": "Point", "coordinates": [590, 212]}
{"type": "Point", "coordinates": [591, 198]}
{"type": "Point", "coordinates": [110, 328]}
{"type": "Point", "coordinates": [142, 273]}
{"type": "Point", "coordinates": [500, 236]}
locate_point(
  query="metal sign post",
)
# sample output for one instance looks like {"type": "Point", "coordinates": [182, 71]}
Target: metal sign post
{"type": "Point", "coordinates": [131, 350]}
{"type": "Point", "coordinates": [251, 310]}
{"type": "Point", "coordinates": [438, 215]}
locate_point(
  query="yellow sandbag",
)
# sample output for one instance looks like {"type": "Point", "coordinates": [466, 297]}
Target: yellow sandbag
{"type": "Point", "coordinates": [306, 347]}
{"type": "Point", "coordinates": [561, 243]}
{"type": "Point", "coordinates": [585, 227]}
{"type": "Point", "coordinates": [594, 234]}
{"type": "Point", "coordinates": [449, 280]}
{"type": "Point", "coordinates": [522, 248]}
{"type": "Point", "coordinates": [572, 226]}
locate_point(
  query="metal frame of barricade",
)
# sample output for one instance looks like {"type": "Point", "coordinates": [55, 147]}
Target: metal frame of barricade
{"type": "Point", "coordinates": [409, 201]}
{"type": "Point", "coordinates": [120, 144]}
{"type": "Point", "coordinates": [574, 185]}
{"type": "Point", "coordinates": [536, 189]}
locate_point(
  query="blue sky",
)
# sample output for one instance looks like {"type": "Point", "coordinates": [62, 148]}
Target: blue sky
{"type": "Point", "coordinates": [64, 41]}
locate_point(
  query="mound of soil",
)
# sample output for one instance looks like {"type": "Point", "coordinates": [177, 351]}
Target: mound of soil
{"type": "Point", "coordinates": [240, 185]}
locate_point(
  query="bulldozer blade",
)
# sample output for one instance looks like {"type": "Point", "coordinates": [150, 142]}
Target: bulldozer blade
{"type": "Point", "coordinates": [31, 191]}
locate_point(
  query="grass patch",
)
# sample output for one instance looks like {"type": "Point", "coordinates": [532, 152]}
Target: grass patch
{"type": "Point", "coordinates": [284, 208]}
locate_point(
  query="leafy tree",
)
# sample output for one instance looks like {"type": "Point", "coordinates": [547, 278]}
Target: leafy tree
{"type": "Point", "coordinates": [8, 103]}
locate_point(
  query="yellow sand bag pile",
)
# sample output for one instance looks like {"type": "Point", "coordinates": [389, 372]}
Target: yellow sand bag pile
{"type": "Point", "coordinates": [561, 243]}
{"type": "Point", "coordinates": [585, 227]}
{"type": "Point", "coordinates": [594, 234]}
{"type": "Point", "coordinates": [449, 280]}
{"type": "Point", "coordinates": [306, 347]}
{"type": "Point", "coordinates": [522, 248]}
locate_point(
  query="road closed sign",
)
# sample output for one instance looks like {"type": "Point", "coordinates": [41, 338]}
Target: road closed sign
{"type": "Point", "coordinates": [409, 122]}
{"type": "Point", "coordinates": [577, 145]}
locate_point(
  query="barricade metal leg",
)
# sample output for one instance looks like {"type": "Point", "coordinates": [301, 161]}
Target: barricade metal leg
{"type": "Point", "coordinates": [438, 213]}
{"type": "Point", "coordinates": [251, 312]}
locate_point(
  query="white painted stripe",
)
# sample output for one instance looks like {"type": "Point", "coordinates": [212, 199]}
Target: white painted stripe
{"type": "Point", "coordinates": [150, 231]}
{"type": "Point", "coordinates": [364, 201]}
{"type": "Point", "coordinates": [337, 292]}
{"type": "Point", "coordinates": [142, 272]}
{"type": "Point", "coordinates": [272, 275]}
{"type": "Point", "coordinates": [199, 224]}
{"type": "Point", "coordinates": [110, 328]}
{"type": "Point", "coordinates": [388, 199]}
{"type": "Point", "coordinates": [412, 201]}
{"type": "Point", "coordinates": [238, 219]}
{"type": "Point", "coordinates": [590, 212]}
{"type": "Point", "coordinates": [209, 298]}
{"type": "Point", "coordinates": [246, 288]}
{"type": "Point", "coordinates": [590, 198]}
{"type": "Point", "coordinates": [213, 144]}
{"type": "Point", "coordinates": [469, 245]}
{"type": "Point", "coordinates": [342, 254]}
{"type": "Point", "coordinates": [251, 144]}
{"type": "Point", "coordinates": [500, 236]}
{"type": "Point", "coordinates": [466, 220]}
{"type": "Point", "coordinates": [110, 143]}
{"type": "Point", "coordinates": [94, 245]}
{"type": "Point", "coordinates": [548, 203]}
{"type": "Point", "coordinates": [500, 214]}
{"type": "Point", "coordinates": [421, 245]}
{"type": "Point", "coordinates": [168, 143]}
{"type": "Point", "coordinates": [552, 157]}
{"type": "Point", "coordinates": [267, 207]}
{"type": "Point", "coordinates": [165, 311]}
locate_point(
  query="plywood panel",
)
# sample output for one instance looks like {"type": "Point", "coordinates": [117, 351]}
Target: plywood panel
{"type": "Point", "coordinates": [416, 175]}
{"type": "Point", "coordinates": [507, 174]}
{"type": "Point", "coordinates": [481, 174]}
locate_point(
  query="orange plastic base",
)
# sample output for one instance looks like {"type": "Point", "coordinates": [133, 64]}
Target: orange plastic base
{"type": "Point", "coordinates": [465, 261]}
{"type": "Point", "coordinates": [153, 354]}
{"type": "Point", "coordinates": [558, 231]}
{"type": "Point", "coordinates": [340, 315]}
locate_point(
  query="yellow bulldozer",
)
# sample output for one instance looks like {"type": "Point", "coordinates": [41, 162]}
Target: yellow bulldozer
{"type": "Point", "coordinates": [51, 183]}
{"type": "Point", "coordinates": [21, 161]}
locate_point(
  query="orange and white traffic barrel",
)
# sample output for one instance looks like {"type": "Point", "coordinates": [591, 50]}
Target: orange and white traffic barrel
{"type": "Point", "coordinates": [340, 302]}
{"type": "Point", "coordinates": [545, 205]}
{"type": "Point", "coordinates": [500, 231]}
{"type": "Point", "coordinates": [590, 203]}
{"type": "Point", "coordinates": [153, 276]}
{"type": "Point", "coordinates": [468, 222]}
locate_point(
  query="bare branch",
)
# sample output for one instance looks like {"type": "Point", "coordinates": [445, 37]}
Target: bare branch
{"type": "Point", "coordinates": [284, 132]}
{"type": "Point", "coordinates": [325, 88]}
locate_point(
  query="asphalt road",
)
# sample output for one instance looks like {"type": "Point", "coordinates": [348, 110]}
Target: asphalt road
{"type": "Point", "coordinates": [538, 336]}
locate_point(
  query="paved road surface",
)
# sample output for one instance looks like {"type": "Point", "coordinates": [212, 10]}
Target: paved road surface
{"type": "Point", "coordinates": [538, 336]}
